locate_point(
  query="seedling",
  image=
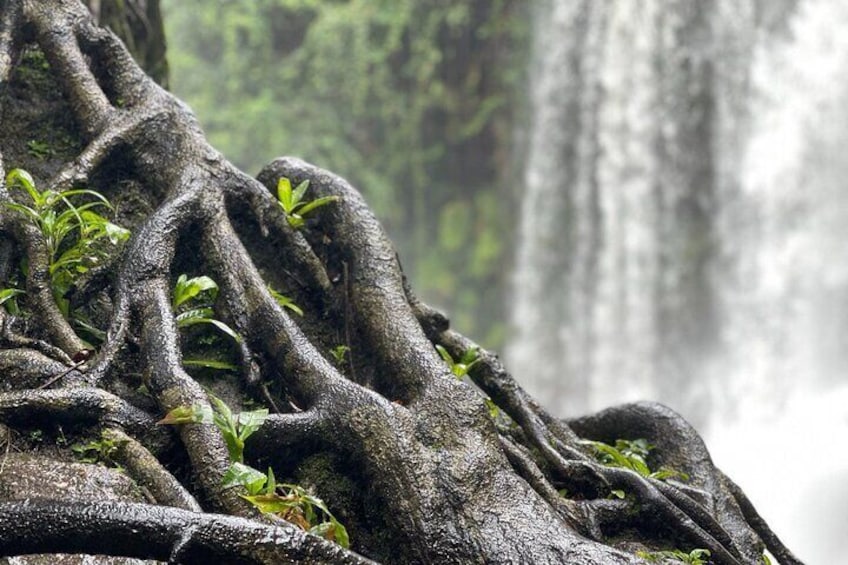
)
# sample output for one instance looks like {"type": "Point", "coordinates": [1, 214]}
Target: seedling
{"type": "Point", "coordinates": [632, 454]}
{"type": "Point", "coordinates": [290, 502]}
{"type": "Point", "coordinates": [460, 368]}
{"type": "Point", "coordinates": [189, 289]}
{"type": "Point", "coordinates": [292, 203]}
{"type": "Point", "coordinates": [39, 149]}
{"type": "Point", "coordinates": [694, 557]}
{"type": "Point", "coordinates": [98, 451]}
{"type": "Point", "coordinates": [72, 233]}
{"type": "Point", "coordinates": [339, 353]}
{"type": "Point", "coordinates": [235, 429]}
{"type": "Point", "coordinates": [285, 301]}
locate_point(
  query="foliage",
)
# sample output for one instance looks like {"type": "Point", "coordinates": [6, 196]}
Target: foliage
{"type": "Point", "coordinates": [694, 557]}
{"type": "Point", "coordinates": [461, 367]}
{"type": "Point", "coordinates": [293, 204]}
{"type": "Point", "coordinates": [39, 149]}
{"type": "Point", "coordinates": [285, 302]}
{"type": "Point", "coordinates": [409, 99]}
{"type": "Point", "coordinates": [339, 353]}
{"type": "Point", "coordinates": [73, 233]}
{"type": "Point", "coordinates": [8, 296]}
{"type": "Point", "coordinates": [632, 455]}
{"type": "Point", "coordinates": [188, 289]}
{"type": "Point", "coordinates": [288, 501]}
{"type": "Point", "coordinates": [98, 451]}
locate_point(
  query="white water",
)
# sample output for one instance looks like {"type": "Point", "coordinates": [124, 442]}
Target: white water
{"type": "Point", "coordinates": [684, 235]}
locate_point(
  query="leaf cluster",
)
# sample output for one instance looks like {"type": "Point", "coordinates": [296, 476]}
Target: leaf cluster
{"type": "Point", "coordinates": [98, 451]}
{"type": "Point", "coordinates": [460, 367]}
{"type": "Point", "coordinates": [204, 290]}
{"type": "Point", "coordinates": [291, 502]}
{"type": "Point", "coordinates": [632, 455]}
{"type": "Point", "coordinates": [293, 204]}
{"type": "Point", "coordinates": [73, 233]}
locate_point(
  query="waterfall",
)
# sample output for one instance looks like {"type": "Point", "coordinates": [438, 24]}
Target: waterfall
{"type": "Point", "coordinates": [684, 231]}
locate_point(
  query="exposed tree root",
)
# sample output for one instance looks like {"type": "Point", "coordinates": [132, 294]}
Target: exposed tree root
{"type": "Point", "coordinates": [157, 532]}
{"type": "Point", "coordinates": [429, 474]}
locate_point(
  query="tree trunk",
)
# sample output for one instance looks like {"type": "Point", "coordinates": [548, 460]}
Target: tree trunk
{"type": "Point", "coordinates": [421, 466]}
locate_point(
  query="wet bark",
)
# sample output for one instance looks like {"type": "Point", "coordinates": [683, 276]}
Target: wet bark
{"type": "Point", "coordinates": [421, 466]}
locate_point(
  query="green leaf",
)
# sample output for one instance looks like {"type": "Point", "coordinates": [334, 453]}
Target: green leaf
{"type": "Point", "coordinates": [271, 484]}
{"type": "Point", "coordinates": [339, 352]}
{"type": "Point", "coordinates": [210, 364]}
{"type": "Point", "coordinates": [317, 203]}
{"type": "Point", "coordinates": [332, 531]}
{"type": "Point", "coordinates": [9, 293]}
{"type": "Point", "coordinates": [19, 177]}
{"type": "Point", "coordinates": [295, 221]}
{"type": "Point", "coordinates": [249, 422]}
{"type": "Point", "coordinates": [270, 503]}
{"type": "Point", "coordinates": [618, 493]}
{"type": "Point", "coordinates": [470, 356]}
{"type": "Point", "coordinates": [445, 355]}
{"type": "Point", "coordinates": [194, 316]}
{"type": "Point", "coordinates": [183, 415]}
{"type": "Point", "coordinates": [285, 301]}
{"type": "Point", "coordinates": [284, 194]}
{"type": "Point", "coordinates": [116, 233]}
{"type": "Point", "coordinates": [299, 192]}
{"type": "Point", "coordinates": [241, 475]}
{"type": "Point", "coordinates": [186, 288]}
{"type": "Point", "coordinates": [224, 328]}
{"type": "Point", "coordinates": [203, 316]}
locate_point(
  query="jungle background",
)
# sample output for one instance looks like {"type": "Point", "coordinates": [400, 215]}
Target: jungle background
{"type": "Point", "coordinates": [412, 100]}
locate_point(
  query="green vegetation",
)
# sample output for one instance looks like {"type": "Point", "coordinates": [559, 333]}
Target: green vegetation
{"type": "Point", "coordinates": [288, 501]}
{"type": "Point", "coordinates": [459, 368]}
{"type": "Point", "coordinates": [632, 455]}
{"type": "Point", "coordinates": [293, 204]}
{"type": "Point", "coordinates": [694, 557]}
{"type": "Point", "coordinates": [339, 353]}
{"type": "Point", "coordinates": [9, 298]}
{"type": "Point", "coordinates": [408, 99]}
{"type": "Point", "coordinates": [285, 302]}
{"type": "Point", "coordinates": [76, 236]}
{"type": "Point", "coordinates": [98, 451]}
{"type": "Point", "coordinates": [39, 149]}
{"type": "Point", "coordinates": [204, 289]}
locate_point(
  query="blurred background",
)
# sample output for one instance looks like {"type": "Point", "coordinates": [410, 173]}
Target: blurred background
{"type": "Point", "coordinates": [629, 200]}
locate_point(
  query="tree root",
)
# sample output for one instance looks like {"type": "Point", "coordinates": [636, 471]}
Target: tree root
{"type": "Point", "coordinates": [434, 479]}
{"type": "Point", "coordinates": [157, 532]}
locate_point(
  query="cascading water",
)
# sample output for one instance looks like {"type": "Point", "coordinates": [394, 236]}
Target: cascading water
{"type": "Point", "coordinates": [683, 233]}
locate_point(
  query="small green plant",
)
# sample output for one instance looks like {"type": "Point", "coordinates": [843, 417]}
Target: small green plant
{"type": "Point", "coordinates": [339, 353]}
{"type": "Point", "coordinates": [694, 557]}
{"type": "Point", "coordinates": [39, 149]}
{"type": "Point", "coordinates": [285, 302]}
{"type": "Point", "coordinates": [460, 368]}
{"type": "Point", "coordinates": [191, 289]}
{"type": "Point", "coordinates": [632, 455]}
{"type": "Point", "coordinates": [235, 428]}
{"type": "Point", "coordinates": [292, 203]}
{"type": "Point", "coordinates": [290, 502]}
{"type": "Point", "coordinates": [9, 298]}
{"type": "Point", "coordinates": [98, 451]}
{"type": "Point", "coordinates": [73, 233]}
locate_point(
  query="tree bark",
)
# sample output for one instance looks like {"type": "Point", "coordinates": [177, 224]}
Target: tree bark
{"type": "Point", "coordinates": [421, 466]}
